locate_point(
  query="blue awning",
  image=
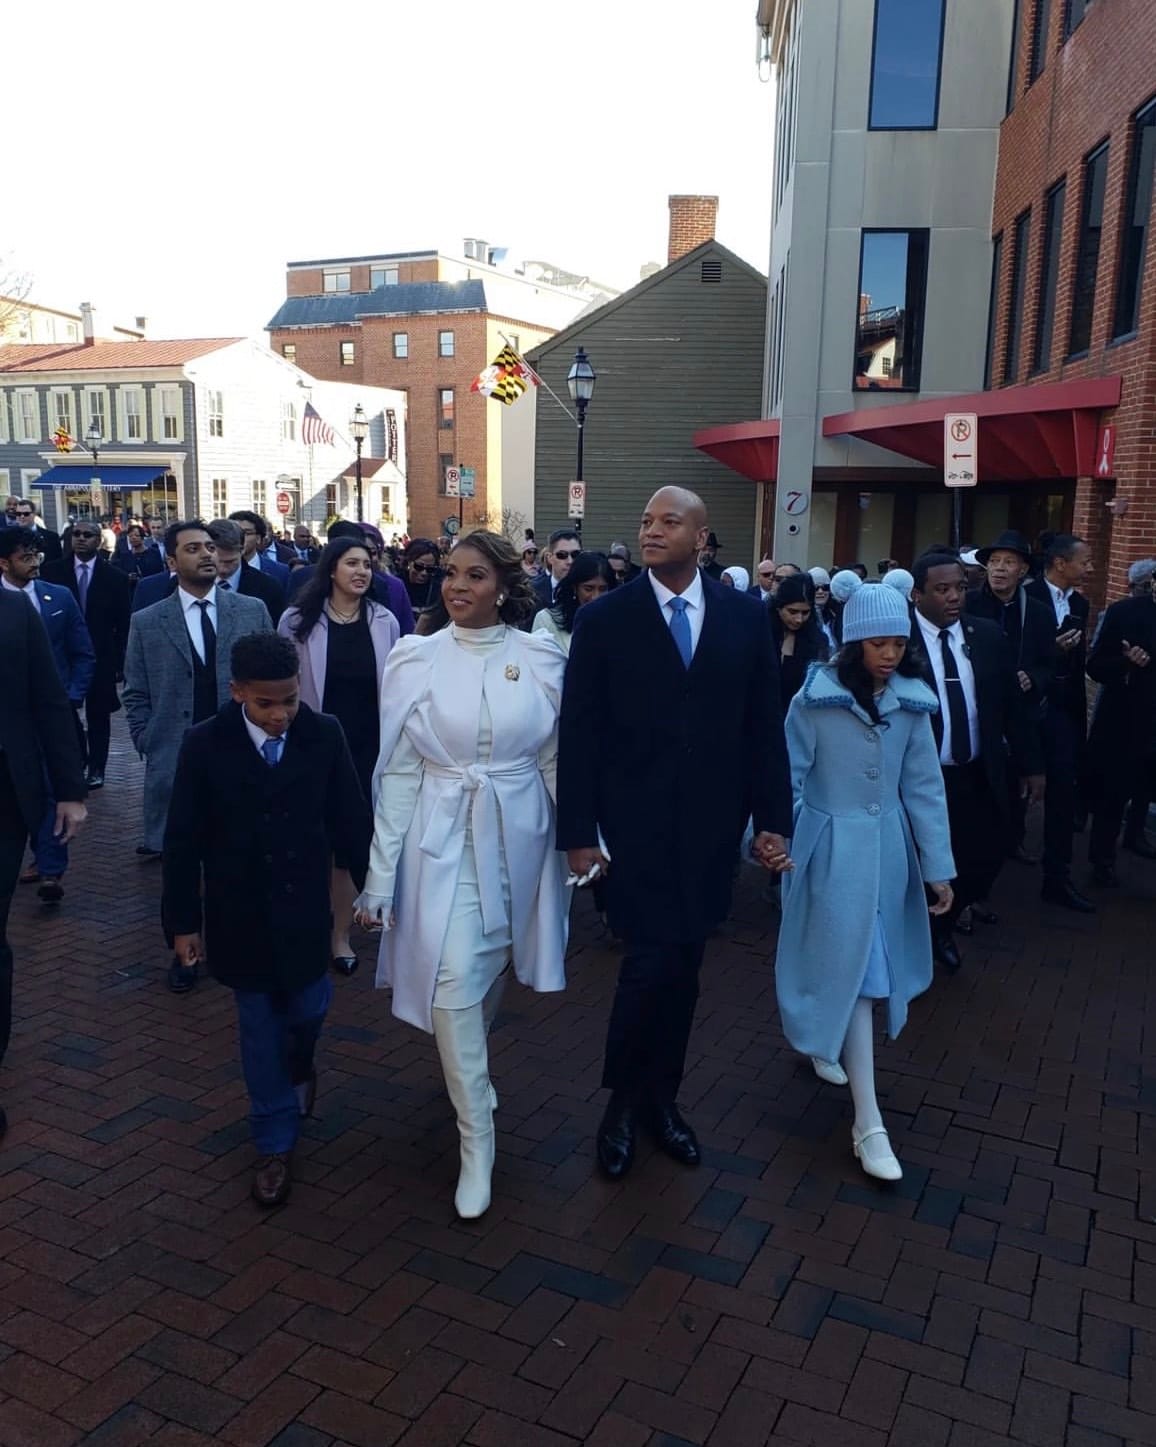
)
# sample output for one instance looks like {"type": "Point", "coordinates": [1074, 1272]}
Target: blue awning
{"type": "Point", "coordinates": [73, 475]}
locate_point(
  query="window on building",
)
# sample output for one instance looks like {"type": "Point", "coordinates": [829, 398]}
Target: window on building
{"type": "Point", "coordinates": [1021, 247]}
{"type": "Point", "coordinates": [1088, 250]}
{"type": "Point", "coordinates": [1014, 60]}
{"type": "Point", "coordinates": [336, 280]}
{"type": "Point", "coordinates": [905, 65]}
{"type": "Point", "coordinates": [1049, 276]}
{"type": "Point", "coordinates": [96, 410]}
{"type": "Point", "coordinates": [892, 289]}
{"type": "Point", "coordinates": [260, 496]}
{"type": "Point", "coordinates": [289, 351]}
{"type": "Point", "coordinates": [1134, 231]}
{"type": "Point", "coordinates": [992, 308]}
{"type": "Point", "coordinates": [445, 406]}
{"type": "Point", "coordinates": [445, 344]}
{"type": "Point", "coordinates": [445, 459]}
{"type": "Point", "coordinates": [5, 482]}
{"type": "Point", "coordinates": [132, 405]}
{"type": "Point", "coordinates": [28, 476]}
{"type": "Point", "coordinates": [347, 357]}
{"type": "Point", "coordinates": [288, 422]}
{"type": "Point", "coordinates": [401, 345]}
{"type": "Point", "coordinates": [1040, 25]}
{"type": "Point", "coordinates": [27, 417]}
{"type": "Point", "coordinates": [3, 419]}
{"type": "Point", "coordinates": [216, 414]}
{"type": "Point", "coordinates": [62, 413]}
{"type": "Point", "coordinates": [886, 364]}
{"type": "Point", "coordinates": [1074, 13]}
{"type": "Point", "coordinates": [220, 497]}
{"type": "Point", "coordinates": [382, 276]}
{"type": "Point", "coordinates": [169, 402]}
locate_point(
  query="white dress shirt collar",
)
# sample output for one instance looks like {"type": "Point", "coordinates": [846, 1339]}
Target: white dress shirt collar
{"type": "Point", "coordinates": [189, 601]}
{"type": "Point", "coordinates": [234, 579]}
{"type": "Point", "coordinates": [692, 593]}
{"type": "Point", "coordinates": [1060, 602]}
{"type": "Point", "coordinates": [259, 736]}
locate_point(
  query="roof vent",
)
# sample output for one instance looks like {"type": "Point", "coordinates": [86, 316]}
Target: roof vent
{"type": "Point", "coordinates": [711, 270]}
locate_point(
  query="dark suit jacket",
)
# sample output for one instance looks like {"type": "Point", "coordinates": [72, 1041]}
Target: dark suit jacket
{"type": "Point", "coordinates": [670, 762]}
{"type": "Point", "coordinates": [50, 544]}
{"type": "Point", "coordinates": [278, 571]}
{"type": "Point", "coordinates": [139, 565]}
{"type": "Point", "coordinates": [232, 817]}
{"type": "Point", "coordinates": [37, 729]}
{"type": "Point", "coordinates": [72, 650]}
{"type": "Point", "coordinates": [254, 584]}
{"type": "Point", "coordinates": [107, 615]}
{"type": "Point", "coordinates": [1036, 654]}
{"type": "Point", "coordinates": [543, 590]}
{"type": "Point", "coordinates": [389, 591]}
{"type": "Point", "coordinates": [1123, 733]}
{"type": "Point", "coordinates": [1067, 689]}
{"type": "Point", "coordinates": [1006, 721]}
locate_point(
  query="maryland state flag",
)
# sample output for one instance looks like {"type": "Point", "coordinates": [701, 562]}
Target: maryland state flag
{"type": "Point", "coordinates": [506, 378]}
{"type": "Point", "coordinates": [62, 440]}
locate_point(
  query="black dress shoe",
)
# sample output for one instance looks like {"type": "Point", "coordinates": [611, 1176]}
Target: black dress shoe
{"type": "Point", "coordinates": [345, 965]}
{"type": "Point", "coordinates": [146, 853]}
{"type": "Point", "coordinates": [51, 891]}
{"type": "Point", "coordinates": [614, 1145]}
{"type": "Point", "coordinates": [1061, 892]}
{"type": "Point", "coordinates": [181, 978]}
{"type": "Point", "coordinates": [946, 952]}
{"type": "Point", "coordinates": [674, 1135]}
{"type": "Point", "coordinates": [1105, 876]}
{"type": "Point", "coordinates": [1138, 844]}
{"type": "Point", "coordinates": [983, 916]}
{"type": "Point", "coordinates": [964, 925]}
{"type": "Point", "coordinates": [94, 779]}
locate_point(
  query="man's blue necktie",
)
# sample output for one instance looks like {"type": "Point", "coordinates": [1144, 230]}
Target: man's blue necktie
{"type": "Point", "coordinates": [271, 748]}
{"type": "Point", "coordinates": [680, 630]}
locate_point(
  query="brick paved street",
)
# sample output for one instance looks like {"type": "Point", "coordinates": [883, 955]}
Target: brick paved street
{"type": "Point", "coordinates": [1004, 1293]}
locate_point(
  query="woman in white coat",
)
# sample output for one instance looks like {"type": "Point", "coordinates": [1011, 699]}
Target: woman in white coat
{"type": "Point", "coordinates": [463, 870]}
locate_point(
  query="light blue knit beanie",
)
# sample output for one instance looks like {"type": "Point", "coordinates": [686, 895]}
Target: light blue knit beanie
{"type": "Point", "coordinates": [874, 610]}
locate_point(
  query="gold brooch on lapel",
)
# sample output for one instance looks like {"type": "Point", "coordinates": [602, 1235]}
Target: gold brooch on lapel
{"type": "Point", "coordinates": [513, 672]}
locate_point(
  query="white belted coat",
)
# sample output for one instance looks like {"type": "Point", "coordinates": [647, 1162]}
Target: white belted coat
{"type": "Point", "coordinates": [431, 787]}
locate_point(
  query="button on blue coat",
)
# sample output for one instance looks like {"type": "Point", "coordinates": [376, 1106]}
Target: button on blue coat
{"type": "Point", "coordinates": [870, 826]}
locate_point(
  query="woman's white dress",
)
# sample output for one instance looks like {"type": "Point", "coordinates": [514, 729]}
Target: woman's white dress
{"type": "Point", "coordinates": [463, 849]}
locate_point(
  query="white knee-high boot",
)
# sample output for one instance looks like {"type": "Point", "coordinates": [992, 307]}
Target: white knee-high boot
{"type": "Point", "coordinates": [461, 1042]}
{"type": "Point", "coordinates": [491, 1004]}
{"type": "Point", "coordinates": [868, 1135]}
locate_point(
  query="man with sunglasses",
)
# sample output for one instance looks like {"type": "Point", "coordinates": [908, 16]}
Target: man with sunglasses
{"type": "Point", "coordinates": [47, 542]}
{"type": "Point", "coordinates": [563, 547]}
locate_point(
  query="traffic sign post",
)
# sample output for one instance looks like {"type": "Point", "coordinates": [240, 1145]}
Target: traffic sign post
{"type": "Point", "coordinates": [284, 504]}
{"type": "Point", "coordinates": [468, 483]}
{"type": "Point", "coordinates": [960, 462]}
{"type": "Point", "coordinates": [453, 482]}
{"type": "Point", "coordinates": [576, 494]}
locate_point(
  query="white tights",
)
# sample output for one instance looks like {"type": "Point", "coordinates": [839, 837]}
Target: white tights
{"type": "Point", "coordinates": [859, 1063]}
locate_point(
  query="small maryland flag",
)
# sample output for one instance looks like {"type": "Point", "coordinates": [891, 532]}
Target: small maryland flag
{"type": "Point", "coordinates": [62, 440]}
{"type": "Point", "coordinates": [506, 378]}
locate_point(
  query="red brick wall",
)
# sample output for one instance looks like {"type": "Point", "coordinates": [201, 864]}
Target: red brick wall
{"type": "Point", "coordinates": [311, 282]}
{"type": "Point", "coordinates": [1088, 92]}
{"type": "Point", "coordinates": [692, 221]}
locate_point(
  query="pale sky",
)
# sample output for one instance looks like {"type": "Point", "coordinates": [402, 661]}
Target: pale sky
{"type": "Point", "coordinates": [174, 158]}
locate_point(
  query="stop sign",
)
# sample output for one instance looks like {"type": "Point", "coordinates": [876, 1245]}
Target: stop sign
{"type": "Point", "coordinates": [284, 503]}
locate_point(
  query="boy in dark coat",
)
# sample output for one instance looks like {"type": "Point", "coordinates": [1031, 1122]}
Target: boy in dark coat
{"type": "Point", "coordinates": [265, 794]}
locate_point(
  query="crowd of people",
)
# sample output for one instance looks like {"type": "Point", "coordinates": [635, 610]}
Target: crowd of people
{"type": "Point", "coordinates": [439, 741]}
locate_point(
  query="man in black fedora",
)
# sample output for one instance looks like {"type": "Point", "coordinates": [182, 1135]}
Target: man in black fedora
{"type": "Point", "coordinates": [707, 561]}
{"type": "Point", "coordinates": [1029, 628]}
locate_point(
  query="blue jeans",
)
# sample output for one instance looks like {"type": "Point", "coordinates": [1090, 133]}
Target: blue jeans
{"type": "Point", "coordinates": [279, 1034]}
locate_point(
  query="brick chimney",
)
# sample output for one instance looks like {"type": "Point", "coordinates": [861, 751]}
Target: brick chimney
{"type": "Point", "coordinates": [692, 220]}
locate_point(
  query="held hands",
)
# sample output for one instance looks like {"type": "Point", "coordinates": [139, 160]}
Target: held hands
{"type": "Point", "coordinates": [189, 950]}
{"type": "Point", "coordinates": [1135, 654]}
{"type": "Point", "coordinates": [372, 918]}
{"type": "Point", "coordinates": [583, 863]}
{"type": "Point", "coordinates": [943, 898]}
{"type": "Point", "coordinates": [69, 818]}
{"type": "Point", "coordinates": [770, 850]}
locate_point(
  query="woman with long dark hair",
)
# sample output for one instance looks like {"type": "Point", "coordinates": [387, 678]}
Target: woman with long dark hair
{"type": "Point", "coordinates": [343, 639]}
{"type": "Point", "coordinates": [463, 872]}
{"type": "Point", "coordinates": [855, 926]}
{"type": "Point", "coordinates": [590, 576]}
{"type": "Point", "coordinates": [421, 573]}
{"type": "Point", "coordinates": [799, 640]}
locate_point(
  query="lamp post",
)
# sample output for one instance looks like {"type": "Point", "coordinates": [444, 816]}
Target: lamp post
{"type": "Point", "coordinates": [94, 440]}
{"type": "Point", "coordinates": [358, 430]}
{"type": "Point", "coordinates": [580, 381]}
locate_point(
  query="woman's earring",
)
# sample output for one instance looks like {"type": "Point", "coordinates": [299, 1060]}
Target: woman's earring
{"type": "Point", "coordinates": [501, 599]}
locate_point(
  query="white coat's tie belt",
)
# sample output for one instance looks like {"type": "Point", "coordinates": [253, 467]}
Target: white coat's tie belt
{"type": "Point", "coordinates": [474, 801]}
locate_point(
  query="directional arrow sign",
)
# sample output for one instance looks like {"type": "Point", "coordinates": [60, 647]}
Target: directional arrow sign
{"type": "Point", "coordinates": [960, 449]}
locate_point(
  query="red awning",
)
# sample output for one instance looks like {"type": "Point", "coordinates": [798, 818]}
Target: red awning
{"type": "Point", "coordinates": [751, 448]}
{"type": "Point", "coordinates": [1025, 433]}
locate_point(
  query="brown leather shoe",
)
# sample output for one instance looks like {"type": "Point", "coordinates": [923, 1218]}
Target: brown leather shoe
{"type": "Point", "coordinates": [272, 1181]}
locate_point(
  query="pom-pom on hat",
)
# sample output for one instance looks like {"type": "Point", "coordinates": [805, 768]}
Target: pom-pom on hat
{"type": "Point", "coordinates": [874, 610]}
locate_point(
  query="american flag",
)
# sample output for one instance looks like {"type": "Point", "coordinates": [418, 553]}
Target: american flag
{"type": "Point", "coordinates": [314, 428]}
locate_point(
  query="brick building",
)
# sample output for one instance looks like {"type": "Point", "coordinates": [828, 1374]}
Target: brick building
{"type": "Point", "coordinates": [426, 324]}
{"type": "Point", "coordinates": [1074, 281]}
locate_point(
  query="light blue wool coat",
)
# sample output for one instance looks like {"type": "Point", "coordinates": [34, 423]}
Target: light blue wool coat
{"type": "Point", "coordinates": [870, 826]}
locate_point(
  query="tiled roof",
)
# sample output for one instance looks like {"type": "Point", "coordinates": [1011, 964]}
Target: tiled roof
{"type": "Point", "coordinates": [76, 357]}
{"type": "Point", "coordinates": [408, 298]}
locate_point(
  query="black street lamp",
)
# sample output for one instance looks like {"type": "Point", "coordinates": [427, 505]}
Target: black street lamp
{"type": "Point", "coordinates": [94, 440]}
{"type": "Point", "coordinates": [358, 430]}
{"type": "Point", "coordinates": [580, 380]}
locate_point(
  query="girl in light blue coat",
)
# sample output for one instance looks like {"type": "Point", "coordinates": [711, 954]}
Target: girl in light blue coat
{"type": "Point", "coordinates": [870, 829]}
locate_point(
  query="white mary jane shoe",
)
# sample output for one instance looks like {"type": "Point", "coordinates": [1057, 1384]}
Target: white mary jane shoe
{"type": "Point", "coordinates": [873, 1152]}
{"type": "Point", "coordinates": [829, 1070]}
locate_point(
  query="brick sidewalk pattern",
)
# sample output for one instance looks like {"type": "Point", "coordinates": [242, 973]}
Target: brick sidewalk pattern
{"type": "Point", "coordinates": [1004, 1293]}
